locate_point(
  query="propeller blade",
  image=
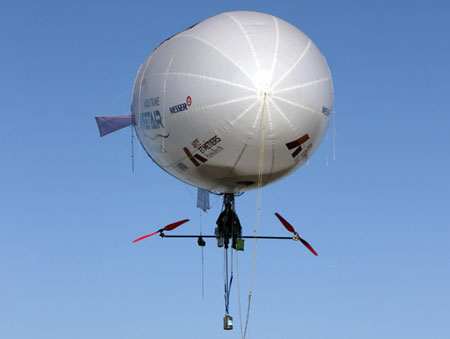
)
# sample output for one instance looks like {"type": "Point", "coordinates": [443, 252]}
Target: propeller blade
{"type": "Point", "coordinates": [288, 226]}
{"type": "Point", "coordinates": [171, 227]}
{"type": "Point", "coordinates": [145, 236]}
{"type": "Point", "coordinates": [308, 246]}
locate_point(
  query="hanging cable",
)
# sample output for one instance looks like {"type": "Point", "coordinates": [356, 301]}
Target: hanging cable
{"type": "Point", "coordinates": [257, 222]}
{"type": "Point", "coordinates": [334, 135]}
{"type": "Point", "coordinates": [230, 282]}
{"type": "Point", "coordinates": [228, 233]}
{"type": "Point", "coordinates": [225, 279]}
{"type": "Point", "coordinates": [227, 282]}
{"type": "Point", "coordinates": [203, 261]}
{"type": "Point", "coordinates": [239, 295]}
{"type": "Point", "coordinates": [132, 148]}
{"type": "Point", "coordinates": [115, 101]}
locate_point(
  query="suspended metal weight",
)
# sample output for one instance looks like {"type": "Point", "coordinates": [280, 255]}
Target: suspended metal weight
{"type": "Point", "coordinates": [228, 322]}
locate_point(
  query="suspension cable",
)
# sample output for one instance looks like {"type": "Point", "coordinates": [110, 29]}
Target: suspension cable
{"type": "Point", "coordinates": [257, 222]}
{"type": "Point", "coordinates": [225, 250]}
{"type": "Point", "coordinates": [203, 260]}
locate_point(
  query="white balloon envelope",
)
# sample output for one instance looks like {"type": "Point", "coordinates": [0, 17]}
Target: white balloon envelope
{"type": "Point", "coordinates": [235, 96]}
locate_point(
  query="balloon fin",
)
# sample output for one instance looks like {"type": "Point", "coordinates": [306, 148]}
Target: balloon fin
{"type": "Point", "coordinates": [112, 123]}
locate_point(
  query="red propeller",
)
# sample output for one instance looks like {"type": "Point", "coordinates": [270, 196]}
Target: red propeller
{"type": "Point", "coordinates": [291, 229]}
{"type": "Point", "coordinates": [169, 227]}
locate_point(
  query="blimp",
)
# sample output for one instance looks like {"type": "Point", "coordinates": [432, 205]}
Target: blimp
{"type": "Point", "coordinates": [212, 102]}
{"type": "Point", "coordinates": [232, 103]}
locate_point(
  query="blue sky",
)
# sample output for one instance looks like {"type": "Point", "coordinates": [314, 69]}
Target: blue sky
{"type": "Point", "coordinates": [70, 205]}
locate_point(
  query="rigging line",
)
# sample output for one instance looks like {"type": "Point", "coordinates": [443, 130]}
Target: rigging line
{"type": "Point", "coordinates": [225, 278]}
{"type": "Point", "coordinates": [258, 211]}
{"type": "Point", "coordinates": [239, 295]}
{"type": "Point", "coordinates": [203, 261]}
{"type": "Point", "coordinates": [326, 151]}
{"type": "Point", "coordinates": [132, 148]}
{"type": "Point", "coordinates": [231, 279]}
{"type": "Point", "coordinates": [229, 268]}
{"type": "Point", "coordinates": [122, 132]}
{"type": "Point", "coordinates": [231, 274]}
{"type": "Point", "coordinates": [227, 283]}
{"type": "Point", "coordinates": [115, 101]}
{"type": "Point", "coordinates": [334, 135]}
{"type": "Point", "coordinates": [139, 152]}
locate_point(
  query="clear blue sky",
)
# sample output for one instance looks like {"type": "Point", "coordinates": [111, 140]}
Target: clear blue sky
{"type": "Point", "coordinates": [379, 215]}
